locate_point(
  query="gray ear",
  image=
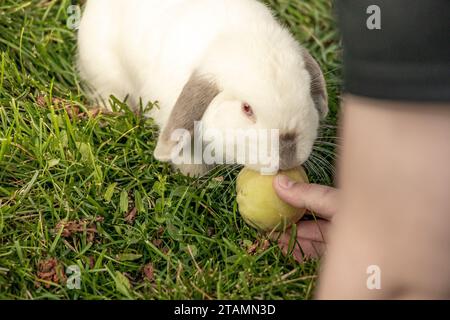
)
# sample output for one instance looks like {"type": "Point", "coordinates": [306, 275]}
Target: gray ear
{"type": "Point", "coordinates": [192, 103]}
{"type": "Point", "coordinates": [318, 84]}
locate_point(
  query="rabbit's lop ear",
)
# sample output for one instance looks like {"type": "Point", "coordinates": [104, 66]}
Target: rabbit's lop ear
{"type": "Point", "coordinates": [318, 85]}
{"type": "Point", "coordinates": [192, 103]}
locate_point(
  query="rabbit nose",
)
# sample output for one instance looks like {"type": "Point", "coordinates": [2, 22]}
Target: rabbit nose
{"type": "Point", "coordinates": [288, 151]}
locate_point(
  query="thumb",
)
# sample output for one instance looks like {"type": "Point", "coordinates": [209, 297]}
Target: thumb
{"type": "Point", "coordinates": [319, 199]}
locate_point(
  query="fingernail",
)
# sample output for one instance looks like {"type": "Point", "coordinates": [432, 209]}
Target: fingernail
{"type": "Point", "coordinates": [284, 181]}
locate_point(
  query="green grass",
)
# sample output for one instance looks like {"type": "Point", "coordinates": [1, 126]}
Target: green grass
{"type": "Point", "coordinates": [54, 166]}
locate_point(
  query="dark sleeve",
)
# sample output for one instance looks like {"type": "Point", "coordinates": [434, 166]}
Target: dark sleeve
{"type": "Point", "coordinates": [407, 59]}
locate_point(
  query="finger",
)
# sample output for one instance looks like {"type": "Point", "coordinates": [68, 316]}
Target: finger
{"type": "Point", "coordinates": [297, 257]}
{"type": "Point", "coordinates": [302, 247]}
{"type": "Point", "coordinates": [304, 250]}
{"type": "Point", "coordinates": [321, 200]}
{"type": "Point", "coordinates": [314, 230]}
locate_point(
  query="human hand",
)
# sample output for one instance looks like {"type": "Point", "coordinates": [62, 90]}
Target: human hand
{"type": "Point", "coordinates": [321, 202]}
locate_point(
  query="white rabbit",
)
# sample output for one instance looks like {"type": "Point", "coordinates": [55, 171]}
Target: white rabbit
{"type": "Point", "coordinates": [227, 63]}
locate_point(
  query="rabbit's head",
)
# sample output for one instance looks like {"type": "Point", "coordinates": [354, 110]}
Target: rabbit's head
{"type": "Point", "coordinates": [263, 89]}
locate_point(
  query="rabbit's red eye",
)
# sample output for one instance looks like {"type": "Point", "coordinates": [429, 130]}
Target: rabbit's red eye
{"type": "Point", "coordinates": [247, 109]}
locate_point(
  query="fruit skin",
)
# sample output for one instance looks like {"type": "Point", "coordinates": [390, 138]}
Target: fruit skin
{"type": "Point", "coordinates": [259, 204]}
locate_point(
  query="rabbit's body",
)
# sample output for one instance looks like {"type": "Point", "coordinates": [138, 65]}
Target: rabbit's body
{"type": "Point", "coordinates": [168, 37]}
{"type": "Point", "coordinates": [152, 50]}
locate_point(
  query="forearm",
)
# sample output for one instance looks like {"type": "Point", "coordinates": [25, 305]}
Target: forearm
{"type": "Point", "coordinates": [394, 177]}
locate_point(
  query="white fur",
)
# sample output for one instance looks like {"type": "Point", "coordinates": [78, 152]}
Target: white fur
{"type": "Point", "coordinates": [149, 48]}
